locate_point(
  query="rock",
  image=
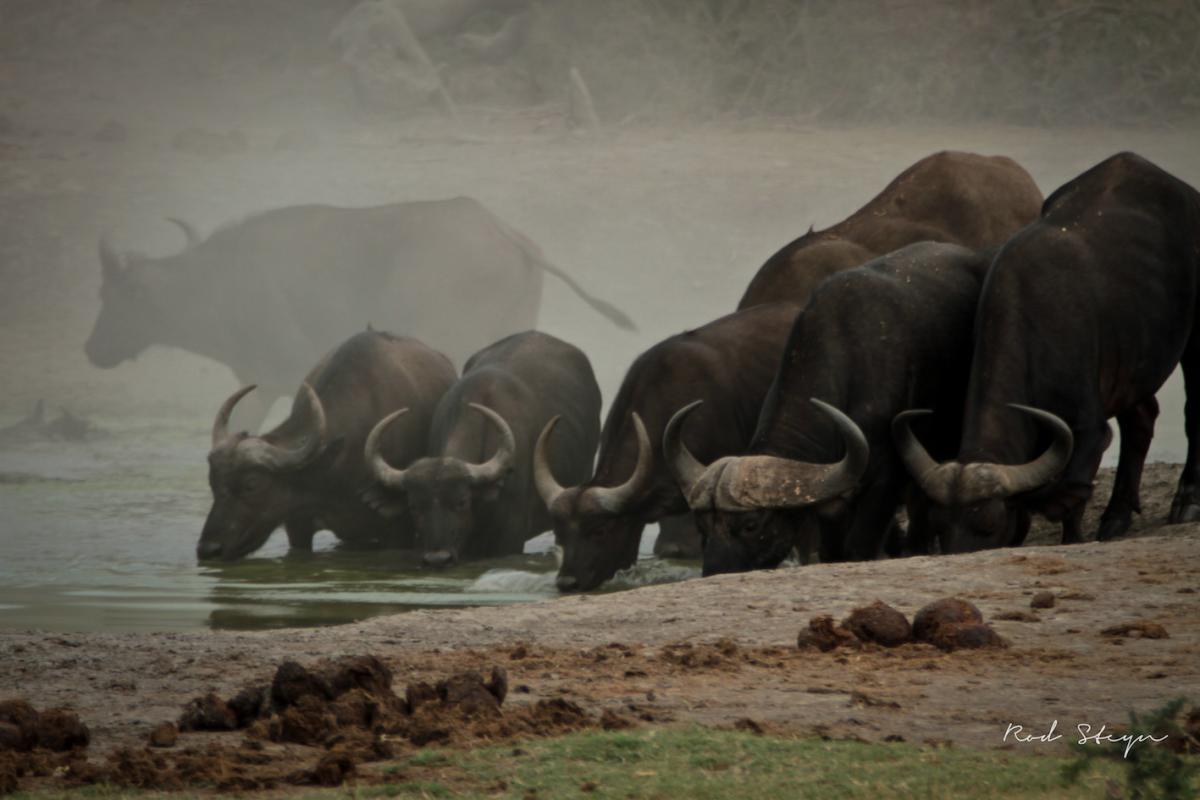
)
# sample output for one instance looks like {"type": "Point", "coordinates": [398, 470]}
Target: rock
{"type": "Point", "coordinates": [419, 694]}
{"type": "Point", "coordinates": [879, 623]}
{"type": "Point", "coordinates": [11, 737]}
{"type": "Point", "coordinates": [966, 635]}
{"type": "Point", "coordinates": [207, 713]}
{"type": "Point", "coordinates": [165, 735]}
{"type": "Point", "coordinates": [498, 685]}
{"type": "Point", "coordinates": [939, 612]}
{"type": "Point", "coordinates": [823, 634]}
{"type": "Point", "coordinates": [360, 672]}
{"type": "Point", "coordinates": [60, 729]}
{"type": "Point", "coordinates": [292, 682]}
{"type": "Point", "coordinates": [1042, 600]}
{"type": "Point", "coordinates": [333, 769]}
{"type": "Point", "coordinates": [1137, 630]}
{"type": "Point", "coordinates": [468, 693]}
{"type": "Point", "coordinates": [307, 722]}
{"type": "Point", "coordinates": [248, 704]}
{"type": "Point", "coordinates": [22, 717]}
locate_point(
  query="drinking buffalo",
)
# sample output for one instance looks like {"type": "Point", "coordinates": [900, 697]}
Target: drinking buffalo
{"type": "Point", "coordinates": [308, 473]}
{"type": "Point", "coordinates": [1084, 315]}
{"type": "Point", "coordinates": [729, 363]}
{"type": "Point", "coordinates": [869, 343]}
{"type": "Point", "coordinates": [268, 295]}
{"type": "Point", "coordinates": [960, 198]}
{"type": "Point", "coordinates": [474, 496]}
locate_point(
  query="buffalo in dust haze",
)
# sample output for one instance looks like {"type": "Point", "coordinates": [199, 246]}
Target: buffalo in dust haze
{"type": "Point", "coordinates": [871, 342]}
{"type": "Point", "coordinates": [308, 473]}
{"type": "Point", "coordinates": [1084, 315]}
{"type": "Point", "coordinates": [474, 495]}
{"type": "Point", "coordinates": [958, 198]}
{"type": "Point", "coordinates": [268, 295]}
{"type": "Point", "coordinates": [729, 363]}
{"type": "Point", "coordinates": [39, 426]}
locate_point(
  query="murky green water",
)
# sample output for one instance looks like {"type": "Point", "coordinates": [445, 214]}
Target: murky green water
{"type": "Point", "coordinates": [102, 535]}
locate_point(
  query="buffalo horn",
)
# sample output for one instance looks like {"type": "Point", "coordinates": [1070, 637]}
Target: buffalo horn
{"type": "Point", "coordinates": [954, 483]}
{"type": "Point", "coordinates": [281, 459]}
{"type": "Point", "coordinates": [684, 466]}
{"type": "Point", "coordinates": [616, 499]}
{"type": "Point", "coordinates": [499, 463]}
{"type": "Point", "coordinates": [762, 482]}
{"type": "Point", "coordinates": [189, 232]}
{"type": "Point", "coordinates": [220, 431]}
{"type": "Point", "coordinates": [543, 476]}
{"type": "Point", "coordinates": [387, 475]}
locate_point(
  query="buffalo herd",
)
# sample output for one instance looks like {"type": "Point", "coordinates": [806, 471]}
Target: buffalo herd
{"type": "Point", "coordinates": [953, 351]}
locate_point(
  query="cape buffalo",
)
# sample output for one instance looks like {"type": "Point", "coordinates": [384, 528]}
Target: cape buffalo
{"type": "Point", "coordinates": [268, 295]}
{"type": "Point", "coordinates": [1083, 316]}
{"type": "Point", "coordinates": [729, 363]}
{"type": "Point", "coordinates": [474, 496]}
{"type": "Point", "coordinates": [869, 343]}
{"type": "Point", "coordinates": [308, 473]}
{"type": "Point", "coordinates": [960, 198]}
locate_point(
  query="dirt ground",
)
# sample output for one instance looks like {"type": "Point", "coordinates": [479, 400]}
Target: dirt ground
{"type": "Point", "coordinates": [719, 650]}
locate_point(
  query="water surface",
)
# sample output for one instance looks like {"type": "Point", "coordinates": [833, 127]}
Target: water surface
{"type": "Point", "coordinates": [100, 536]}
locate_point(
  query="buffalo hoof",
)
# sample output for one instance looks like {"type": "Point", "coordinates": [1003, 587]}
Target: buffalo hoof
{"type": "Point", "coordinates": [1112, 527]}
{"type": "Point", "coordinates": [1184, 512]}
{"type": "Point", "coordinates": [566, 583]}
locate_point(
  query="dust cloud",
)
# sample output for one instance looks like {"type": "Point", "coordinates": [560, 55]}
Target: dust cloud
{"type": "Point", "coordinates": [657, 150]}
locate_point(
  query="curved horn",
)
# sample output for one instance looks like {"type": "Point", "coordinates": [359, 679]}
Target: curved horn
{"type": "Point", "coordinates": [615, 499]}
{"type": "Point", "coordinates": [278, 459]}
{"type": "Point", "coordinates": [759, 482]}
{"type": "Point", "coordinates": [543, 476]}
{"type": "Point", "coordinates": [499, 463]}
{"type": "Point", "coordinates": [192, 235]}
{"type": "Point", "coordinates": [936, 480]}
{"type": "Point", "coordinates": [959, 484]}
{"type": "Point", "coordinates": [111, 262]}
{"type": "Point", "coordinates": [220, 431]}
{"type": "Point", "coordinates": [388, 476]}
{"type": "Point", "coordinates": [684, 466]}
{"type": "Point", "coordinates": [987, 481]}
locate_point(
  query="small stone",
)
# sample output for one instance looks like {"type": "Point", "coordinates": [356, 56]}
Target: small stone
{"type": "Point", "coordinates": [1042, 600]}
{"type": "Point", "coordinates": [879, 623]}
{"type": "Point", "coordinates": [165, 735]}
{"type": "Point", "coordinates": [940, 612]}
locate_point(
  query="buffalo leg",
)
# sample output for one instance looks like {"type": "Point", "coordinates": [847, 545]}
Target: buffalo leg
{"type": "Point", "coordinates": [1186, 505]}
{"type": "Point", "coordinates": [678, 538]}
{"type": "Point", "coordinates": [1137, 429]}
{"type": "Point", "coordinates": [300, 534]}
{"type": "Point", "coordinates": [1071, 497]}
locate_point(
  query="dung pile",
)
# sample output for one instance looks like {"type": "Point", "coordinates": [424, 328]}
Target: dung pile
{"type": "Point", "coordinates": [38, 743]}
{"type": "Point", "coordinates": [344, 710]}
{"type": "Point", "coordinates": [948, 624]}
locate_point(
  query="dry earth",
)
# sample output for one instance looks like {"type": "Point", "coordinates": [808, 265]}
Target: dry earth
{"type": "Point", "coordinates": [718, 650]}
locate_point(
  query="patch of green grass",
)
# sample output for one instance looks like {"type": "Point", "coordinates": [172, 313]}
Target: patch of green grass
{"type": "Point", "coordinates": [702, 763]}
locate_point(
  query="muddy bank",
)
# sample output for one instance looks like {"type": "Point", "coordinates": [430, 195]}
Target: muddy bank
{"type": "Point", "coordinates": [721, 649]}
